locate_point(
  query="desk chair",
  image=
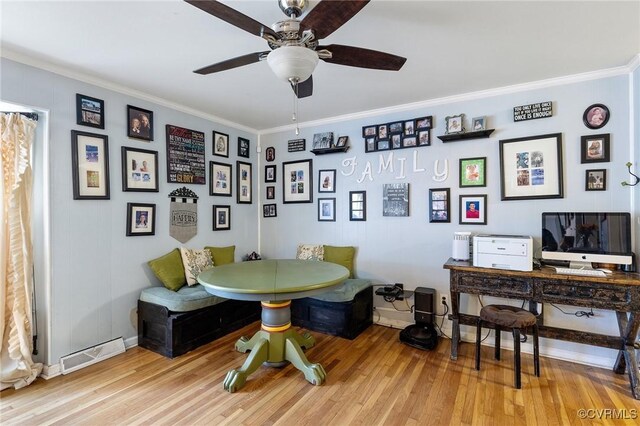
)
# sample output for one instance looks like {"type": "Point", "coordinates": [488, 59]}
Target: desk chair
{"type": "Point", "coordinates": [504, 316]}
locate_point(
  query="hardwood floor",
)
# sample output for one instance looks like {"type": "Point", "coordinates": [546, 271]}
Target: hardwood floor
{"type": "Point", "coordinates": [373, 379]}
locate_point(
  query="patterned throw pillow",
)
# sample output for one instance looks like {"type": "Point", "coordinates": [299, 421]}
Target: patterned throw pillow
{"type": "Point", "coordinates": [195, 261]}
{"type": "Point", "coordinates": [310, 252]}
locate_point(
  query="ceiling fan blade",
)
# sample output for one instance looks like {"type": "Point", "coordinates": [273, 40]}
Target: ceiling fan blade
{"type": "Point", "coordinates": [231, 63]}
{"type": "Point", "coordinates": [362, 58]}
{"type": "Point", "coordinates": [329, 15]}
{"type": "Point", "coordinates": [305, 89]}
{"type": "Point", "coordinates": [233, 17]}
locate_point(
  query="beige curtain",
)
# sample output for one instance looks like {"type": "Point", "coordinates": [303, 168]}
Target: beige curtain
{"type": "Point", "coordinates": [16, 259]}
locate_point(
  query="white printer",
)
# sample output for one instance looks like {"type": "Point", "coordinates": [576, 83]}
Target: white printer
{"type": "Point", "coordinates": [513, 252]}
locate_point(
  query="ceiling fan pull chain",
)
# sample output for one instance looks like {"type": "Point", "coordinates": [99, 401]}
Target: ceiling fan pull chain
{"type": "Point", "coordinates": [294, 83]}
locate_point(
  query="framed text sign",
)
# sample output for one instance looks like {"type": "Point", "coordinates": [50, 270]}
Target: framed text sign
{"type": "Point", "coordinates": [296, 145]}
{"type": "Point", "coordinates": [533, 111]}
{"type": "Point", "coordinates": [185, 156]}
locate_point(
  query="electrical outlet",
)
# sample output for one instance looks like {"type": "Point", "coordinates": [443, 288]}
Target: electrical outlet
{"type": "Point", "coordinates": [401, 295]}
{"type": "Point", "coordinates": [444, 300]}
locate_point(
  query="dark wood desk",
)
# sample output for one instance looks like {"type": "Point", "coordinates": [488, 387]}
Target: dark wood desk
{"type": "Point", "coordinates": [620, 292]}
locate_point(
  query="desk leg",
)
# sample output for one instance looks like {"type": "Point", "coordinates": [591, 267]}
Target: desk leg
{"type": "Point", "coordinates": [629, 325]}
{"type": "Point", "coordinates": [455, 324]}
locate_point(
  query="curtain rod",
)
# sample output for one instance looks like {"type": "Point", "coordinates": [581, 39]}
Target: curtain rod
{"type": "Point", "coordinates": [31, 115]}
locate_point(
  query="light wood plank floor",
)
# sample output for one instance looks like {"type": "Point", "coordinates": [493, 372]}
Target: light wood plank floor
{"type": "Point", "coordinates": [372, 380]}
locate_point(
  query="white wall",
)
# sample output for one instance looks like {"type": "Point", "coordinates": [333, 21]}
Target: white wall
{"type": "Point", "coordinates": [411, 250]}
{"type": "Point", "coordinates": [635, 148]}
{"type": "Point", "coordinates": [97, 272]}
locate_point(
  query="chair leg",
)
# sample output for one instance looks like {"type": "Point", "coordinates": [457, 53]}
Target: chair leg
{"type": "Point", "coordinates": [536, 351]}
{"type": "Point", "coordinates": [497, 345]}
{"type": "Point", "coordinates": [478, 338]}
{"type": "Point", "coordinates": [516, 358]}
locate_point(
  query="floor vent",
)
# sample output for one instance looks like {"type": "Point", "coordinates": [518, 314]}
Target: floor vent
{"type": "Point", "coordinates": [86, 357]}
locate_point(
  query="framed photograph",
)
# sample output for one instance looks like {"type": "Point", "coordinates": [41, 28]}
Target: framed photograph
{"type": "Point", "coordinates": [221, 218]}
{"type": "Point", "coordinates": [409, 141]}
{"type": "Point", "coordinates": [423, 123]}
{"type": "Point", "coordinates": [473, 209]}
{"type": "Point", "coordinates": [297, 181]}
{"type": "Point", "coordinates": [596, 116]}
{"type": "Point", "coordinates": [473, 172]}
{"type": "Point", "coordinates": [370, 144]}
{"type": "Point", "coordinates": [477, 124]}
{"type": "Point", "coordinates": [220, 144]}
{"type": "Point", "coordinates": [90, 166]}
{"type": "Point", "coordinates": [140, 123]}
{"type": "Point", "coordinates": [439, 205]}
{"type": "Point", "coordinates": [409, 127]}
{"type": "Point", "coordinates": [270, 173]}
{"type": "Point", "coordinates": [342, 141]}
{"type": "Point", "coordinates": [270, 154]}
{"type": "Point", "coordinates": [327, 180]}
{"type": "Point", "coordinates": [594, 148]}
{"type": "Point", "coordinates": [271, 192]}
{"type": "Point", "coordinates": [424, 137]}
{"type": "Point", "coordinates": [89, 111]}
{"type": "Point", "coordinates": [358, 206]}
{"type": "Point", "coordinates": [220, 179]}
{"type": "Point", "coordinates": [383, 145]}
{"type": "Point", "coordinates": [139, 170]}
{"type": "Point", "coordinates": [395, 199]}
{"type": "Point", "coordinates": [141, 219]}
{"type": "Point", "coordinates": [185, 156]}
{"type": "Point", "coordinates": [383, 131]}
{"type": "Point", "coordinates": [323, 140]}
{"type": "Point", "coordinates": [369, 131]}
{"type": "Point", "coordinates": [326, 209]}
{"type": "Point", "coordinates": [531, 167]}
{"type": "Point", "coordinates": [395, 127]}
{"type": "Point", "coordinates": [396, 141]}
{"type": "Point", "coordinates": [243, 148]}
{"type": "Point", "coordinates": [243, 171]}
{"type": "Point", "coordinates": [269, 210]}
{"type": "Point", "coordinates": [595, 180]}
{"type": "Point", "coordinates": [454, 124]}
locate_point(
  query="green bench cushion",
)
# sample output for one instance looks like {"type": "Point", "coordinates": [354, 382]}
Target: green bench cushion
{"type": "Point", "coordinates": [345, 292]}
{"type": "Point", "coordinates": [184, 300]}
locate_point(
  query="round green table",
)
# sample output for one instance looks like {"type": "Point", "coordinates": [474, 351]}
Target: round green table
{"type": "Point", "coordinates": [274, 283]}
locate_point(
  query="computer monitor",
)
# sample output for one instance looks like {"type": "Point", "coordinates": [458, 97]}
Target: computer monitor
{"type": "Point", "coordinates": [580, 238]}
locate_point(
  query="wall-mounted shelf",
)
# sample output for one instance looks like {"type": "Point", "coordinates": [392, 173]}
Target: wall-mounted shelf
{"type": "Point", "coordinates": [330, 150]}
{"type": "Point", "coordinates": [467, 135]}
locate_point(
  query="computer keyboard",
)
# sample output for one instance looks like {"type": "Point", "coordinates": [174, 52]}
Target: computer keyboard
{"type": "Point", "coordinates": [583, 272]}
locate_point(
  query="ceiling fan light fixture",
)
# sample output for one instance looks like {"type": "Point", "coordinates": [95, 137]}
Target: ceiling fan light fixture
{"type": "Point", "coordinates": [292, 63]}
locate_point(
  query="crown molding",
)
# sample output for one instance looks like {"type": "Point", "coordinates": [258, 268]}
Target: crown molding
{"type": "Point", "coordinates": [465, 97]}
{"type": "Point", "coordinates": [86, 78]}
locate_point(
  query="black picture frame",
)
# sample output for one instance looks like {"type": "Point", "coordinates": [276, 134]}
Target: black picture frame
{"type": "Point", "coordinates": [396, 127]}
{"type": "Point", "coordinates": [221, 216]}
{"type": "Point", "coordinates": [270, 173]}
{"type": "Point", "coordinates": [326, 209]}
{"type": "Point", "coordinates": [358, 206]}
{"type": "Point", "coordinates": [473, 209]}
{"type": "Point", "coordinates": [595, 180]}
{"type": "Point", "coordinates": [327, 180]}
{"type": "Point", "coordinates": [424, 123]}
{"type": "Point", "coordinates": [139, 170]}
{"type": "Point", "coordinates": [244, 192]}
{"type": "Point", "coordinates": [185, 156]}
{"type": "Point", "coordinates": [220, 144]}
{"type": "Point", "coordinates": [269, 210]}
{"type": "Point", "coordinates": [220, 179]}
{"type": "Point", "coordinates": [473, 172]}
{"type": "Point", "coordinates": [244, 148]}
{"type": "Point", "coordinates": [439, 205]}
{"type": "Point", "coordinates": [369, 131]}
{"type": "Point", "coordinates": [141, 219]}
{"type": "Point", "coordinates": [595, 148]}
{"type": "Point", "coordinates": [531, 167]}
{"type": "Point", "coordinates": [271, 192]}
{"type": "Point", "coordinates": [297, 181]}
{"type": "Point", "coordinates": [395, 199]}
{"type": "Point", "coordinates": [89, 111]}
{"type": "Point", "coordinates": [139, 123]}
{"type": "Point", "coordinates": [596, 116]}
{"type": "Point", "coordinates": [90, 166]}
{"type": "Point", "coordinates": [270, 154]}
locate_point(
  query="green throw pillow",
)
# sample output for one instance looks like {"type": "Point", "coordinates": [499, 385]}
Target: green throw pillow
{"type": "Point", "coordinates": [222, 255]}
{"type": "Point", "coordinates": [169, 270]}
{"type": "Point", "coordinates": [342, 256]}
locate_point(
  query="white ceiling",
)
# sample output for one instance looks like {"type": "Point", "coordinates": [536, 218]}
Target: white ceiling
{"type": "Point", "coordinates": [451, 48]}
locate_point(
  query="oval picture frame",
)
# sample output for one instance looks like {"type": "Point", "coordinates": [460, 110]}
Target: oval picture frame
{"type": "Point", "coordinates": [596, 116]}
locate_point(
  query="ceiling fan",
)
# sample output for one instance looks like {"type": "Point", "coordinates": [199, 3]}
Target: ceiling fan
{"type": "Point", "coordinates": [294, 43]}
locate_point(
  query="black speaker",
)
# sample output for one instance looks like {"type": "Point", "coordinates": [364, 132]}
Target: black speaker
{"type": "Point", "coordinates": [424, 308]}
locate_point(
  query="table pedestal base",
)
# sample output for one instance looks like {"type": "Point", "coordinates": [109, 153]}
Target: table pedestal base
{"type": "Point", "coordinates": [275, 345]}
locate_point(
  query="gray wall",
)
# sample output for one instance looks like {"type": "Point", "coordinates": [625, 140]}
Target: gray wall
{"type": "Point", "coordinates": [635, 150]}
{"type": "Point", "coordinates": [411, 250]}
{"type": "Point", "coordinates": [97, 272]}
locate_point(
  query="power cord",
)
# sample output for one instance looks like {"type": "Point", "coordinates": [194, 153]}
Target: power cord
{"type": "Point", "coordinates": [577, 313]}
